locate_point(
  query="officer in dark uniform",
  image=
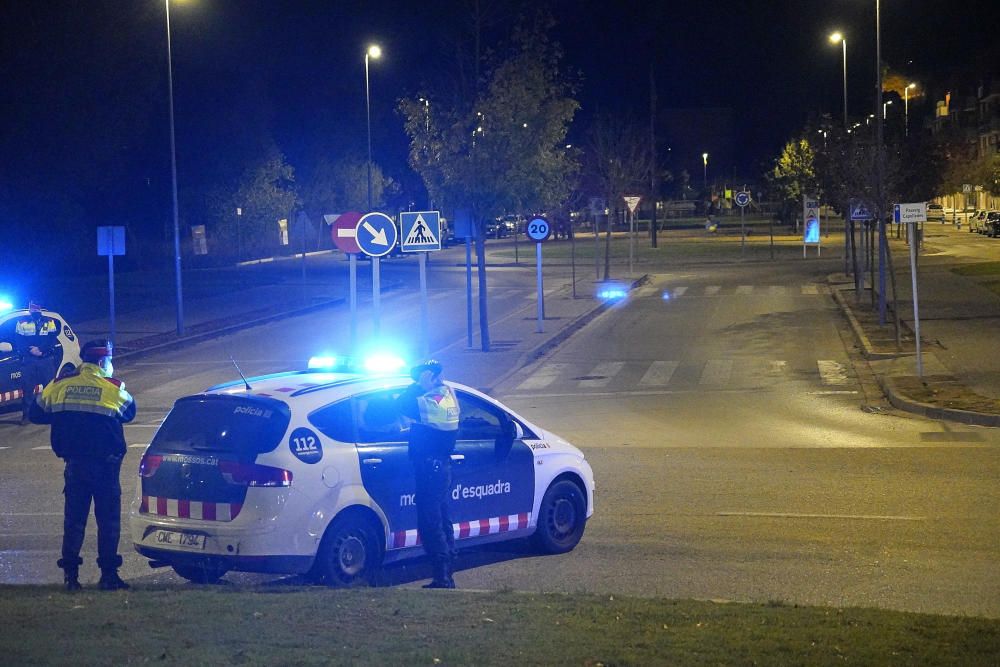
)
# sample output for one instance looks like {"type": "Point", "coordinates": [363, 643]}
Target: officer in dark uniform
{"type": "Point", "coordinates": [86, 410]}
{"type": "Point", "coordinates": [36, 337]}
{"type": "Point", "coordinates": [430, 408]}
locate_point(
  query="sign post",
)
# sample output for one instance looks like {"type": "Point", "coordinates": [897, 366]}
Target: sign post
{"type": "Point", "coordinates": [633, 203]}
{"type": "Point", "coordinates": [376, 235]}
{"type": "Point", "coordinates": [597, 206]}
{"type": "Point", "coordinates": [539, 231]}
{"type": "Point", "coordinates": [111, 242]}
{"type": "Point", "coordinates": [422, 234]}
{"type": "Point", "coordinates": [742, 199]}
{"type": "Point", "coordinates": [343, 231]}
{"type": "Point", "coordinates": [912, 214]}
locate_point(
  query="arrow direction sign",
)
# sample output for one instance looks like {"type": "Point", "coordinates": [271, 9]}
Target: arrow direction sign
{"type": "Point", "coordinates": [376, 234]}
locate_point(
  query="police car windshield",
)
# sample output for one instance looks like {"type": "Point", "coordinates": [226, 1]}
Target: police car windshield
{"type": "Point", "coordinates": [223, 424]}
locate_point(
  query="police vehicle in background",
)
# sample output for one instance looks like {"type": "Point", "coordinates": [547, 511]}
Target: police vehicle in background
{"type": "Point", "coordinates": [308, 473]}
{"type": "Point", "coordinates": [66, 353]}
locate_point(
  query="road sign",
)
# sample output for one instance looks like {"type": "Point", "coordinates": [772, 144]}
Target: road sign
{"type": "Point", "coordinates": [539, 229]}
{"type": "Point", "coordinates": [376, 234]}
{"type": "Point", "coordinates": [742, 199]}
{"type": "Point", "coordinates": [421, 231]}
{"type": "Point", "coordinates": [907, 213]}
{"type": "Point", "coordinates": [343, 231]}
{"type": "Point", "coordinates": [859, 211]}
{"type": "Point", "coordinates": [632, 202]}
{"type": "Point", "coordinates": [966, 187]}
{"type": "Point", "coordinates": [110, 241]}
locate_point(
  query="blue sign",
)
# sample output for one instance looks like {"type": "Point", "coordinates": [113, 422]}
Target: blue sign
{"type": "Point", "coordinates": [742, 199]}
{"type": "Point", "coordinates": [421, 231]}
{"type": "Point", "coordinates": [376, 234]}
{"type": "Point", "coordinates": [812, 231]}
{"type": "Point", "coordinates": [860, 212]}
{"type": "Point", "coordinates": [305, 445]}
{"type": "Point", "coordinates": [110, 241]}
{"type": "Point", "coordinates": [464, 229]}
{"type": "Point", "coordinates": [538, 229]}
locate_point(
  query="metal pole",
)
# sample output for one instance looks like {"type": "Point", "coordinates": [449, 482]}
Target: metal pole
{"type": "Point", "coordinates": [916, 308]}
{"type": "Point", "coordinates": [424, 327]}
{"type": "Point", "coordinates": [173, 180]}
{"type": "Point", "coordinates": [376, 294]}
{"type": "Point", "coordinates": [354, 300]}
{"type": "Point", "coordinates": [541, 295]}
{"type": "Point", "coordinates": [880, 167]}
{"type": "Point", "coordinates": [844, 43]}
{"type": "Point", "coordinates": [368, 111]}
{"type": "Point", "coordinates": [111, 292]}
{"type": "Point", "coordinates": [468, 291]}
{"type": "Point", "coordinates": [631, 240]}
{"type": "Point", "coordinates": [743, 231]}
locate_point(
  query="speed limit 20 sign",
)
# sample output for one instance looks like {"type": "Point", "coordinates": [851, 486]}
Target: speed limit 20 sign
{"type": "Point", "coordinates": [539, 229]}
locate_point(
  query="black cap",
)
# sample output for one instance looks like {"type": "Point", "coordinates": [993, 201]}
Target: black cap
{"type": "Point", "coordinates": [96, 350]}
{"type": "Point", "coordinates": [431, 365]}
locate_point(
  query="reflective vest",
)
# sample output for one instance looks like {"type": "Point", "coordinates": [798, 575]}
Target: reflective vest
{"type": "Point", "coordinates": [88, 390]}
{"type": "Point", "coordinates": [439, 408]}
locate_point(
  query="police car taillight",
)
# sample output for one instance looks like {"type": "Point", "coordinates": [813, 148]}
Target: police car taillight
{"type": "Point", "coordinates": [252, 474]}
{"type": "Point", "coordinates": [149, 464]}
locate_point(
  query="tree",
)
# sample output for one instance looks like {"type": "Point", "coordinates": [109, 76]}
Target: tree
{"type": "Point", "coordinates": [794, 175]}
{"type": "Point", "coordinates": [339, 185]}
{"type": "Point", "coordinates": [620, 158]}
{"type": "Point", "coordinates": [501, 149]}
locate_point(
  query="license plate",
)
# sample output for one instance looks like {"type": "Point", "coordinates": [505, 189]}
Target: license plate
{"type": "Point", "coordinates": [179, 540]}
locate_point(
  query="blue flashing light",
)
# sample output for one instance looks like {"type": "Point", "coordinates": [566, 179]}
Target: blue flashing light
{"type": "Point", "coordinates": [383, 363]}
{"type": "Point", "coordinates": [666, 296]}
{"type": "Point", "coordinates": [322, 362]}
{"type": "Point", "coordinates": [611, 293]}
{"type": "Point", "coordinates": [5, 305]}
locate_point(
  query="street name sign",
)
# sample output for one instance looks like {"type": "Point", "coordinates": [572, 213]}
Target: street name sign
{"type": "Point", "coordinates": [375, 234]}
{"type": "Point", "coordinates": [421, 231]}
{"type": "Point", "coordinates": [909, 213]}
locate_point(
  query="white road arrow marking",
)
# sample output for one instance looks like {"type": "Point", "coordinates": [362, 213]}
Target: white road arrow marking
{"type": "Point", "coordinates": [379, 235]}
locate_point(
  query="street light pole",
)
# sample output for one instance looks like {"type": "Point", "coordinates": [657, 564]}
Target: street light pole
{"type": "Point", "coordinates": [704, 171]}
{"type": "Point", "coordinates": [374, 52]}
{"type": "Point", "coordinates": [906, 108]}
{"type": "Point", "coordinates": [834, 38]}
{"type": "Point", "coordinates": [173, 180]}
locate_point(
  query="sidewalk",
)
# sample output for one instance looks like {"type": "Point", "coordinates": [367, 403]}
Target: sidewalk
{"type": "Point", "coordinates": [960, 325]}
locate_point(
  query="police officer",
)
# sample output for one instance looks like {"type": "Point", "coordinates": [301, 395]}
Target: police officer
{"type": "Point", "coordinates": [36, 337]}
{"type": "Point", "coordinates": [86, 410]}
{"type": "Point", "coordinates": [430, 408]}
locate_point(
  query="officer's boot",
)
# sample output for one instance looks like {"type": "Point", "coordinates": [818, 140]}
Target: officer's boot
{"type": "Point", "coordinates": [71, 572]}
{"type": "Point", "coordinates": [110, 581]}
{"type": "Point", "coordinates": [442, 575]}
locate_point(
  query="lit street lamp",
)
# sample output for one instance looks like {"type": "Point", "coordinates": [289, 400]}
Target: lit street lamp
{"type": "Point", "coordinates": [704, 160]}
{"type": "Point", "coordinates": [173, 179]}
{"type": "Point", "coordinates": [906, 108]}
{"type": "Point", "coordinates": [374, 52]}
{"type": "Point", "coordinates": [885, 105]}
{"type": "Point", "coordinates": [835, 38]}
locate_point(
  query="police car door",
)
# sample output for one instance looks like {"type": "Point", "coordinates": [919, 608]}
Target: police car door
{"type": "Point", "coordinates": [493, 474]}
{"type": "Point", "coordinates": [10, 365]}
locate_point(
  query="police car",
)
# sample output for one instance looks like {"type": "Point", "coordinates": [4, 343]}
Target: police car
{"type": "Point", "coordinates": [67, 353]}
{"type": "Point", "coordinates": [307, 473]}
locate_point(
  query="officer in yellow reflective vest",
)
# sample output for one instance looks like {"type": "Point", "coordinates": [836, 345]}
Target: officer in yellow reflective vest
{"type": "Point", "coordinates": [37, 337]}
{"type": "Point", "coordinates": [86, 410]}
{"type": "Point", "coordinates": [430, 408]}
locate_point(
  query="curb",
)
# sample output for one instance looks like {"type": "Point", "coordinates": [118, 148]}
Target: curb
{"type": "Point", "coordinates": [867, 349]}
{"type": "Point", "coordinates": [907, 404]}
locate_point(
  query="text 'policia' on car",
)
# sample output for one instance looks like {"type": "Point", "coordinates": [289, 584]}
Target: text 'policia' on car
{"type": "Point", "coordinates": [308, 473]}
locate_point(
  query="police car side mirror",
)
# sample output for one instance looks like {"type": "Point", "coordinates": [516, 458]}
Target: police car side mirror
{"type": "Point", "coordinates": [6, 347]}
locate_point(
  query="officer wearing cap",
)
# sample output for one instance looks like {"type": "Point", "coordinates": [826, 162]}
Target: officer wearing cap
{"type": "Point", "coordinates": [36, 337]}
{"type": "Point", "coordinates": [86, 410]}
{"type": "Point", "coordinates": [430, 408]}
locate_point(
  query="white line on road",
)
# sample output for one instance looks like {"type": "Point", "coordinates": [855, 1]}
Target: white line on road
{"type": "Point", "coordinates": [37, 449]}
{"type": "Point", "coordinates": [712, 290]}
{"type": "Point", "coordinates": [543, 377]}
{"type": "Point", "coordinates": [139, 444]}
{"type": "Point", "coordinates": [602, 373]}
{"type": "Point", "coordinates": [659, 373]}
{"type": "Point", "coordinates": [831, 372]}
{"type": "Point", "coordinates": [795, 515]}
{"type": "Point", "coordinates": [717, 371]}
{"type": "Point", "coordinates": [744, 289]}
{"type": "Point", "coordinates": [810, 289]}
{"type": "Point", "coordinates": [678, 291]}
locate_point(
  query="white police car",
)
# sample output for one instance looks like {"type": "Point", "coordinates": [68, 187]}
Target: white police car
{"type": "Point", "coordinates": [307, 472]}
{"type": "Point", "coordinates": [67, 353]}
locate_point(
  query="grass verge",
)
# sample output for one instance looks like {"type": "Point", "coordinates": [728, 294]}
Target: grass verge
{"type": "Point", "coordinates": [979, 269]}
{"type": "Point", "coordinates": [43, 625]}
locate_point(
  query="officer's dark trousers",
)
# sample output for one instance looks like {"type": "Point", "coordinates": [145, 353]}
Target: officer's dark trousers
{"type": "Point", "coordinates": [433, 482]}
{"type": "Point", "coordinates": [97, 481]}
{"type": "Point", "coordinates": [34, 371]}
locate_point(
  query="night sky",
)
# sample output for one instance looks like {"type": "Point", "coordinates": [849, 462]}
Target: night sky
{"type": "Point", "coordinates": [84, 120]}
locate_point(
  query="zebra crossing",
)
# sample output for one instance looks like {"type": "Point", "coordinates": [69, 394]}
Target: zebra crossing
{"type": "Point", "coordinates": [678, 291]}
{"type": "Point", "coordinates": [673, 373]}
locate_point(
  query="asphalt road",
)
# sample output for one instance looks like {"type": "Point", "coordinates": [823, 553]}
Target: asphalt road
{"type": "Point", "coordinates": [733, 459]}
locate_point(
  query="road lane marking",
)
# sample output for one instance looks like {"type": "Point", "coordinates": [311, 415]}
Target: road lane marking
{"type": "Point", "coordinates": [796, 515]}
{"type": "Point", "coordinates": [37, 449]}
{"type": "Point", "coordinates": [716, 371]}
{"type": "Point", "coordinates": [744, 289]}
{"type": "Point", "coordinates": [678, 291]}
{"type": "Point", "coordinates": [659, 373]}
{"type": "Point", "coordinates": [543, 377]}
{"type": "Point", "coordinates": [138, 444]}
{"type": "Point", "coordinates": [777, 290]}
{"type": "Point", "coordinates": [810, 289]}
{"type": "Point", "coordinates": [602, 374]}
{"type": "Point", "coordinates": [777, 367]}
{"type": "Point", "coordinates": [712, 290]}
{"type": "Point", "coordinates": [831, 372]}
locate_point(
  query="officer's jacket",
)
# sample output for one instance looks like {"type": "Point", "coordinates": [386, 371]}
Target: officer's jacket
{"type": "Point", "coordinates": [42, 333]}
{"type": "Point", "coordinates": [86, 411]}
{"type": "Point", "coordinates": [434, 417]}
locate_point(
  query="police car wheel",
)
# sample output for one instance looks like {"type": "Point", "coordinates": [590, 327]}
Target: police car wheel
{"type": "Point", "coordinates": [349, 554]}
{"type": "Point", "coordinates": [561, 518]}
{"type": "Point", "coordinates": [201, 573]}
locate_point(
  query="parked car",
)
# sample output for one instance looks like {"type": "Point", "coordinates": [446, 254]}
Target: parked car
{"type": "Point", "coordinates": [935, 212]}
{"type": "Point", "coordinates": [992, 224]}
{"type": "Point", "coordinates": [976, 221]}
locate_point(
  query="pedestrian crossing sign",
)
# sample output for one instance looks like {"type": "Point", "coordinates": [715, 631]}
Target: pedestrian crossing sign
{"type": "Point", "coordinates": [421, 231]}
